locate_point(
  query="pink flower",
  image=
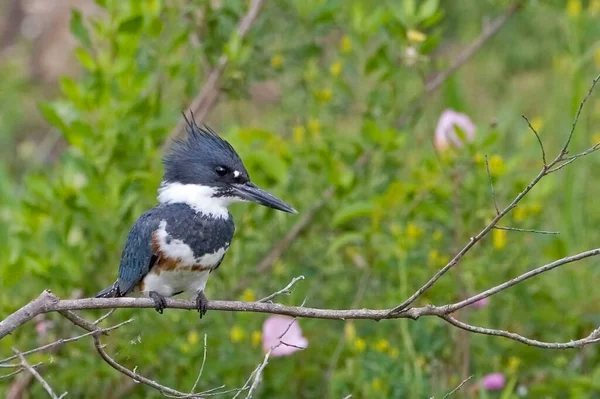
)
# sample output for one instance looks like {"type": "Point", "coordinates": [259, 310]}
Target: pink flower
{"type": "Point", "coordinates": [445, 131]}
{"type": "Point", "coordinates": [283, 334]}
{"type": "Point", "coordinates": [42, 326]}
{"type": "Point", "coordinates": [483, 302]}
{"type": "Point", "coordinates": [493, 381]}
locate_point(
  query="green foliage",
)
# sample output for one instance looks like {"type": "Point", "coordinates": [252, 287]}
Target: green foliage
{"type": "Point", "coordinates": [345, 72]}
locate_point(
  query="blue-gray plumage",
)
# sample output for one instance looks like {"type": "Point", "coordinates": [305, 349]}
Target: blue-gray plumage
{"type": "Point", "coordinates": [174, 246]}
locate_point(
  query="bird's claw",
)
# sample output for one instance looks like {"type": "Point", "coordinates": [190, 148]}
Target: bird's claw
{"type": "Point", "coordinates": [160, 302]}
{"type": "Point", "coordinates": [201, 303]}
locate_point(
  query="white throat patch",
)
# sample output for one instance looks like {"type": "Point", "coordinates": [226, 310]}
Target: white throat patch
{"type": "Point", "coordinates": [198, 197]}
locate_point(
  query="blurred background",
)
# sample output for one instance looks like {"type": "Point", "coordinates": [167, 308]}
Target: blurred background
{"type": "Point", "coordinates": [90, 91]}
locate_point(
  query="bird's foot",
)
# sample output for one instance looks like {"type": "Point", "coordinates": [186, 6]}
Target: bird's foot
{"type": "Point", "coordinates": [201, 303]}
{"type": "Point", "coordinates": [160, 302]}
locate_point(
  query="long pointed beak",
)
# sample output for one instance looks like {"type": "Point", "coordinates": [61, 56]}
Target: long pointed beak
{"type": "Point", "coordinates": [251, 192]}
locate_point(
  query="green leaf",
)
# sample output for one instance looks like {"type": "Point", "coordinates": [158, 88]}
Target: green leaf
{"type": "Point", "coordinates": [131, 25]}
{"type": "Point", "coordinates": [353, 211]}
{"type": "Point", "coordinates": [51, 115]}
{"type": "Point", "coordinates": [344, 240]}
{"type": "Point", "coordinates": [428, 8]}
{"type": "Point", "coordinates": [85, 59]}
{"type": "Point", "coordinates": [78, 29]}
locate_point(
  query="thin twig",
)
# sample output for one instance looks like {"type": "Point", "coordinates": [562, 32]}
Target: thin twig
{"type": "Point", "coordinates": [286, 290]}
{"type": "Point", "coordinates": [458, 387]}
{"type": "Point", "coordinates": [207, 98]}
{"type": "Point", "coordinates": [37, 375]}
{"type": "Point", "coordinates": [537, 136]}
{"type": "Point", "coordinates": [487, 167]}
{"type": "Point", "coordinates": [201, 367]}
{"type": "Point", "coordinates": [526, 230]}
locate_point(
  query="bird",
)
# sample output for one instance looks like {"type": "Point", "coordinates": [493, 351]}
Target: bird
{"type": "Point", "coordinates": [173, 247]}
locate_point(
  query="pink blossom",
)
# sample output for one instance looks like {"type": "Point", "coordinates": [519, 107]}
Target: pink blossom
{"type": "Point", "coordinates": [42, 326]}
{"type": "Point", "coordinates": [445, 131]}
{"type": "Point", "coordinates": [483, 302]}
{"type": "Point", "coordinates": [291, 341]}
{"type": "Point", "coordinates": [493, 381]}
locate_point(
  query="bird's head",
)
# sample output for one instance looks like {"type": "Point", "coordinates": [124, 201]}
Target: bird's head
{"type": "Point", "coordinates": [206, 172]}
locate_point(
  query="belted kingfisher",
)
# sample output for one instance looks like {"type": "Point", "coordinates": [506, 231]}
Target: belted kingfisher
{"type": "Point", "coordinates": [173, 247]}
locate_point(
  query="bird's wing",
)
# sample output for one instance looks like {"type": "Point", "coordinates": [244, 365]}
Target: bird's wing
{"type": "Point", "coordinates": [138, 258]}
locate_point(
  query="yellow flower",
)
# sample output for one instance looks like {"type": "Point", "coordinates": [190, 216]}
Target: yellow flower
{"type": "Point", "coordinates": [415, 36]}
{"type": "Point", "coordinates": [236, 334]}
{"type": "Point", "coordinates": [314, 126]}
{"type": "Point", "coordinates": [574, 8]}
{"type": "Point", "coordinates": [499, 238]}
{"type": "Point", "coordinates": [360, 345]}
{"type": "Point", "coordinates": [350, 331]}
{"type": "Point", "coordinates": [193, 337]}
{"type": "Point", "coordinates": [335, 69]}
{"type": "Point", "coordinates": [413, 231]}
{"type": "Point", "coordinates": [594, 7]}
{"type": "Point", "coordinates": [298, 133]}
{"type": "Point", "coordinates": [437, 235]}
{"type": "Point", "coordinates": [382, 345]}
{"type": "Point", "coordinates": [513, 364]}
{"type": "Point", "coordinates": [536, 208]}
{"type": "Point", "coordinates": [248, 295]}
{"type": "Point", "coordinates": [346, 44]}
{"type": "Point", "coordinates": [496, 165]}
{"type": "Point", "coordinates": [393, 352]}
{"type": "Point", "coordinates": [520, 213]}
{"type": "Point", "coordinates": [376, 384]}
{"type": "Point", "coordinates": [325, 95]}
{"type": "Point", "coordinates": [277, 61]}
{"type": "Point", "coordinates": [279, 268]}
{"type": "Point", "coordinates": [256, 338]}
{"type": "Point", "coordinates": [479, 159]}
{"type": "Point", "coordinates": [434, 256]}
{"type": "Point", "coordinates": [421, 361]}
{"type": "Point", "coordinates": [537, 123]}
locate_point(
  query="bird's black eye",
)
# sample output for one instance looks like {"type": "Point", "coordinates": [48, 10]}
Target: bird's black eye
{"type": "Point", "coordinates": [221, 170]}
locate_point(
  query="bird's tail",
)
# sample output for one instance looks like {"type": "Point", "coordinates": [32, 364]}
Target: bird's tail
{"type": "Point", "coordinates": [110, 292]}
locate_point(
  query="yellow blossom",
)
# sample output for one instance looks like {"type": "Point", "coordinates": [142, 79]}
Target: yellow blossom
{"type": "Point", "coordinates": [346, 44]}
{"type": "Point", "coordinates": [382, 345]}
{"type": "Point", "coordinates": [479, 159]}
{"type": "Point", "coordinates": [513, 364]}
{"type": "Point", "coordinates": [314, 126]}
{"type": "Point", "coordinates": [437, 235]}
{"type": "Point", "coordinates": [335, 69]}
{"type": "Point", "coordinates": [193, 337]}
{"type": "Point", "coordinates": [574, 8]}
{"type": "Point", "coordinates": [298, 133]}
{"type": "Point", "coordinates": [360, 345]}
{"type": "Point", "coordinates": [278, 268]}
{"type": "Point", "coordinates": [376, 384]}
{"type": "Point", "coordinates": [594, 8]}
{"type": "Point", "coordinates": [325, 95]}
{"type": "Point", "coordinates": [277, 61]}
{"type": "Point", "coordinates": [393, 352]}
{"type": "Point", "coordinates": [256, 338]}
{"type": "Point", "coordinates": [413, 231]}
{"type": "Point", "coordinates": [236, 334]}
{"type": "Point", "coordinates": [421, 361]}
{"type": "Point", "coordinates": [350, 331]}
{"type": "Point", "coordinates": [415, 36]}
{"type": "Point", "coordinates": [248, 295]}
{"type": "Point", "coordinates": [434, 256]}
{"type": "Point", "coordinates": [499, 238]}
{"type": "Point", "coordinates": [496, 165]}
{"type": "Point", "coordinates": [537, 123]}
{"type": "Point", "coordinates": [535, 208]}
{"type": "Point", "coordinates": [520, 213]}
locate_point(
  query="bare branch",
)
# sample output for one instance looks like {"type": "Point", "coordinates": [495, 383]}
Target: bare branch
{"type": "Point", "coordinates": [537, 136]}
{"type": "Point", "coordinates": [525, 230]}
{"type": "Point", "coordinates": [487, 167]}
{"type": "Point", "coordinates": [37, 375]}
{"type": "Point", "coordinates": [286, 290]}
{"type": "Point", "coordinates": [207, 98]}
{"type": "Point", "coordinates": [458, 387]}
{"type": "Point", "coordinates": [592, 338]}
{"type": "Point", "coordinates": [201, 367]}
